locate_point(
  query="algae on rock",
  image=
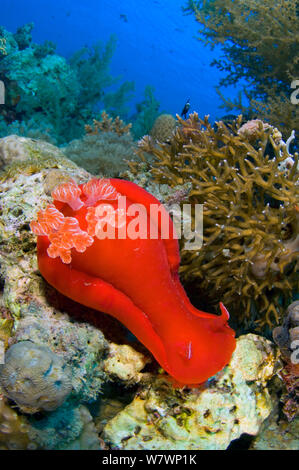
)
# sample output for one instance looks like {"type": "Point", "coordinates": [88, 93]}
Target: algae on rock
{"type": "Point", "coordinates": [32, 168]}
{"type": "Point", "coordinates": [234, 401]}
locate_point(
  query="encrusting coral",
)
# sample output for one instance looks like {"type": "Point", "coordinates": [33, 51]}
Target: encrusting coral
{"type": "Point", "coordinates": [259, 39]}
{"type": "Point", "coordinates": [250, 246]}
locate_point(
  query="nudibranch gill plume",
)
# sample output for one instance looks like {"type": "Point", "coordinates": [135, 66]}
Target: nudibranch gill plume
{"type": "Point", "coordinates": [84, 252]}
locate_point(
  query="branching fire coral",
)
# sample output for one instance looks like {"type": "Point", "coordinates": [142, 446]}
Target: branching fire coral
{"type": "Point", "coordinates": [259, 39]}
{"type": "Point", "coordinates": [250, 215]}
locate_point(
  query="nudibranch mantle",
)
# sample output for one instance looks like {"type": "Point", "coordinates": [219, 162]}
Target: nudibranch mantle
{"type": "Point", "coordinates": [134, 279]}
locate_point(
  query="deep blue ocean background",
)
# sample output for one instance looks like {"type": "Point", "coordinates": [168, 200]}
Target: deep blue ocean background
{"type": "Point", "coordinates": [157, 45]}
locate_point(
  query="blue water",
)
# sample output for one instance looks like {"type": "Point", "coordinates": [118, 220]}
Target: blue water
{"type": "Point", "coordinates": [157, 45]}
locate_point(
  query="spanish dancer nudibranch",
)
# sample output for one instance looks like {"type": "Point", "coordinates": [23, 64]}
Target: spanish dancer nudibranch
{"type": "Point", "coordinates": [134, 279]}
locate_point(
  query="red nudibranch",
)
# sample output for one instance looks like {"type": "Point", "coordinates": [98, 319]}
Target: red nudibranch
{"type": "Point", "coordinates": [133, 279]}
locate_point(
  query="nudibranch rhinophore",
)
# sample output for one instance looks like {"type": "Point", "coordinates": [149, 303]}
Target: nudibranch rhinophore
{"type": "Point", "coordinates": [94, 249]}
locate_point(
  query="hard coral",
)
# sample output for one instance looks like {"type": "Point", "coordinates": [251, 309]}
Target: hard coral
{"type": "Point", "coordinates": [163, 128]}
{"type": "Point", "coordinates": [34, 377]}
{"type": "Point", "coordinates": [250, 213]}
{"type": "Point", "coordinates": [108, 124]}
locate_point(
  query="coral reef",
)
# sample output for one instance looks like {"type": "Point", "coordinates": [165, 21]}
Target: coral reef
{"type": "Point", "coordinates": [47, 95]}
{"type": "Point", "coordinates": [98, 260]}
{"type": "Point", "coordinates": [108, 124]}
{"type": "Point", "coordinates": [24, 190]}
{"type": "Point", "coordinates": [259, 40]}
{"type": "Point", "coordinates": [287, 338]}
{"type": "Point", "coordinates": [104, 369]}
{"type": "Point", "coordinates": [163, 128]}
{"type": "Point", "coordinates": [235, 401]}
{"type": "Point", "coordinates": [250, 215]}
{"type": "Point", "coordinates": [33, 312]}
{"type": "Point", "coordinates": [34, 377]}
{"type": "Point", "coordinates": [103, 152]}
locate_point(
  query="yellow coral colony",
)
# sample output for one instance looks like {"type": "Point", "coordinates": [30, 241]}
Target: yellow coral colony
{"type": "Point", "coordinates": [248, 183]}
